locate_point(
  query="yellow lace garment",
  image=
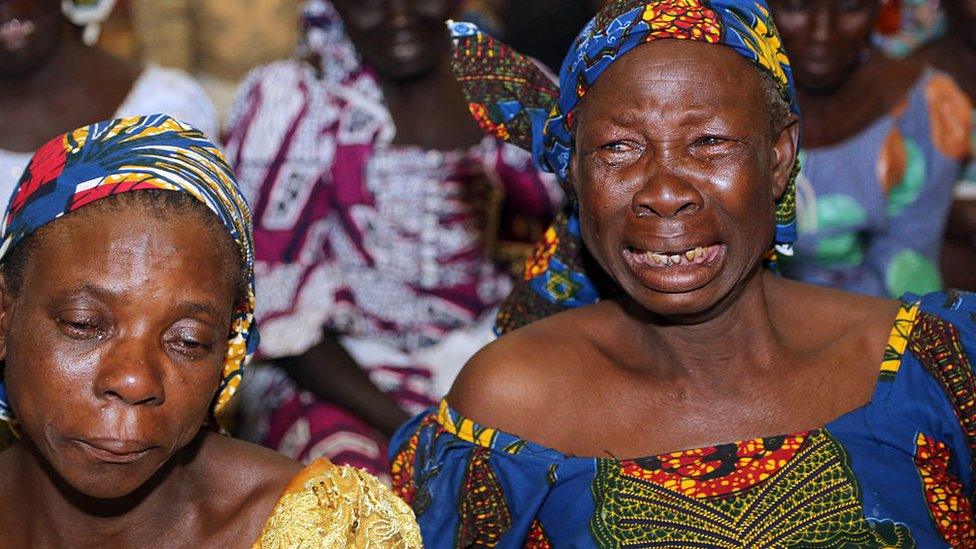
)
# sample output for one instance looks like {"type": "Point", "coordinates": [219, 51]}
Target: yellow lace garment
{"type": "Point", "coordinates": [328, 506]}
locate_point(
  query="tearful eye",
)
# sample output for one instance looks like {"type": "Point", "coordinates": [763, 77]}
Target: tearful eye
{"type": "Point", "coordinates": [80, 328]}
{"type": "Point", "coordinates": [616, 154]}
{"type": "Point", "coordinates": [190, 345]}
{"type": "Point", "coordinates": [710, 140]}
{"type": "Point", "coordinates": [617, 147]}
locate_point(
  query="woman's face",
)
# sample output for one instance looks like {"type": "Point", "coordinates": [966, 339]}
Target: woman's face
{"type": "Point", "coordinates": [826, 39]}
{"type": "Point", "coordinates": [114, 343]}
{"type": "Point", "coordinates": [401, 39]}
{"type": "Point", "coordinates": [29, 30]}
{"type": "Point", "coordinates": [677, 173]}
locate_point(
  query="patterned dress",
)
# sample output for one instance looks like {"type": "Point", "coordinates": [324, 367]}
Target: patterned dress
{"type": "Point", "coordinates": [391, 247]}
{"type": "Point", "coordinates": [896, 472]}
{"type": "Point", "coordinates": [872, 209]}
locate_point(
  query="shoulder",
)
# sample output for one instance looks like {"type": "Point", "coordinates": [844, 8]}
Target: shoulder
{"type": "Point", "coordinates": [821, 317]}
{"type": "Point", "coordinates": [940, 111]}
{"type": "Point", "coordinates": [249, 479]}
{"type": "Point", "coordinates": [329, 505]}
{"type": "Point", "coordinates": [954, 307]}
{"type": "Point", "coordinates": [514, 380]}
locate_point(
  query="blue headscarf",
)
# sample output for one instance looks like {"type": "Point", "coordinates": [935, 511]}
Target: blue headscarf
{"type": "Point", "coordinates": [511, 97]}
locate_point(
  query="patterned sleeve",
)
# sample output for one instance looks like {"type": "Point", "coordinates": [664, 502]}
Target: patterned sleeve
{"type": "Point", "coordinates": [943, 342]}
{"type": "Point", "coordinates": [920, 163]}
{"type": "Point", "coordinates": [471, 486]}
{"type": "Point", "coordinates": [331, 506]}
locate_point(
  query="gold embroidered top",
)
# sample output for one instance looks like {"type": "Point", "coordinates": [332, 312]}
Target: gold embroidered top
{"type": "Point", "coordinates": [330, 506]}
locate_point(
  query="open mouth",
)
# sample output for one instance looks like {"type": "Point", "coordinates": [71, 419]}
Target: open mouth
{"type": "Point", "coordinates": [697, 255]}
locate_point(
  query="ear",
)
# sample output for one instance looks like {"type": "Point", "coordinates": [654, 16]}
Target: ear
{"type": "Point", "coordinates": [785, 151]}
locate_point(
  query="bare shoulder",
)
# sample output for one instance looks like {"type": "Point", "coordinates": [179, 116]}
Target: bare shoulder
{"type": "Point", "coordinates": [825, 315]}
{"type": "Point", "coordinates": [249, 478]}
{"type": "Point", "coordinates": [512, 381]}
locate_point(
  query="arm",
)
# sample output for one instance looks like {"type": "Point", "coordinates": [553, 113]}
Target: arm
{"type": "Point", "coordinates": [330, 373]}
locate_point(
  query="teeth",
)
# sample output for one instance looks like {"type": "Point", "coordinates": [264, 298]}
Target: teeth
{"type": "Point", "coordinates": [659, 259]}
{"type": "Point", "coordinates": [693, 256]}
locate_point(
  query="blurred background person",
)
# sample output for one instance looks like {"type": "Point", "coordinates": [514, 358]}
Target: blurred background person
{"type": "Point", "coordinates": [884, 143]}
{"type": "Point", "coordinates": [955, 53]}
{"type": "Point", "coordinates": [561, 19]}
{"type": "Point", "coordinates": [381, 215]}
{"type": "Point", "coordinates": [907, 25]}
{"type": "Point", "coordinates": [52, 81]}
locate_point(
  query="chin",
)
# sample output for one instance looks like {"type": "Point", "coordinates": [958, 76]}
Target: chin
{"type": "Point", "coordinates": [103, 481]}
{"type": "Point", "coordinates": [408, 70]}
{"type": "Point", "coordinates": [680, 308]}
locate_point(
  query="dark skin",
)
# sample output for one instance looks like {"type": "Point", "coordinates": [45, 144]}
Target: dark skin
{"type": "Point", "coordinates": [843, 83]}
{"type": "Point", "coordinates": [689, 356]}
{"type": "Point", "coordinates": [408, 45]}
{"type": "Point", "coordinates": [50, 82]}
{"type": "Point", "coordinates": [112, 362]}
{"type": "Point", "coordinates": [955, 53]}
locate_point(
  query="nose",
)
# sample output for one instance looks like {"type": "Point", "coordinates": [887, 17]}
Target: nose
{"type": "Point", "coordinates": [666, 193]}
{"type": "Point", "coordinates": [822, 25]}
{"type": "Point", "coordinates": [398, 13]}
{"type": "Point", "coordinates": [132, 374]}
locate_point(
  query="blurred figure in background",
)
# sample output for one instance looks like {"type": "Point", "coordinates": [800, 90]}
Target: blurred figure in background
{"type": "Point", "coordinates": [377, 204]}
{"type": "Point", "coordinates": [883, 142]}
{"type": "Point", "coordinates": [561, 19]}
{"type": "Point", "coordinates": [908, 25]}
{"type": "Point", "coordinates": [52, 81]}
{"type": "Point", "coordinates": [955, 53]}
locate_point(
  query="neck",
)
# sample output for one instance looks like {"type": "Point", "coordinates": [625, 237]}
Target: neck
{"type": "Point", "coordinates": [57, 515]}
{"type": "Point", "coordinates": [700, 350]}
{"type": "Point", "coordinates": [418, 90]}
{"type": "Point", "coordinates": [820, 100]}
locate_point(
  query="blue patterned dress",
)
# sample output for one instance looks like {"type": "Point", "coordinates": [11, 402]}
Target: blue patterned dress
{"type": "Point", "coordinates": [896, 472]}
{"type": "Point", "coordinates": [872, 209]}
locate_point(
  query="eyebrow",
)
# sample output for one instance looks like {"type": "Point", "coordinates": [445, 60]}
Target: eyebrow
{"type": "Point", "coordinates": [200, 308]}
{"type": "Point", "coordinates": [105, 294]}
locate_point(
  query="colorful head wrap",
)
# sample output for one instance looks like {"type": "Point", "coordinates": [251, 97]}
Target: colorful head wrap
{"type": "Point", "coordinates": [131, 154]}
{"type": "Point", "coordinates": [512, 98]}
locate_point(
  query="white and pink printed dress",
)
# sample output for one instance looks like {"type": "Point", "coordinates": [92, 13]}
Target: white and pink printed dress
{"type": "Point", "coordinates": [389, 246]}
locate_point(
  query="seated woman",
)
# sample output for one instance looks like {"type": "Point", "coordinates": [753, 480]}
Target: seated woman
{"type": "Point", "coordinates": [670, 390]}
{"type": "Point", "coordinates": [379, 215]}
{"type": "Point", "coordinates": [52, 80]}
{"type": "Point", "coordinates": [127, 306]}
{"type": "Point", "coordinates": [884, 143]}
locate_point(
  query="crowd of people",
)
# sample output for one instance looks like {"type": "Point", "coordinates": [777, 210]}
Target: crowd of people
{"type": "Point", "coordinates": [700, 279]}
